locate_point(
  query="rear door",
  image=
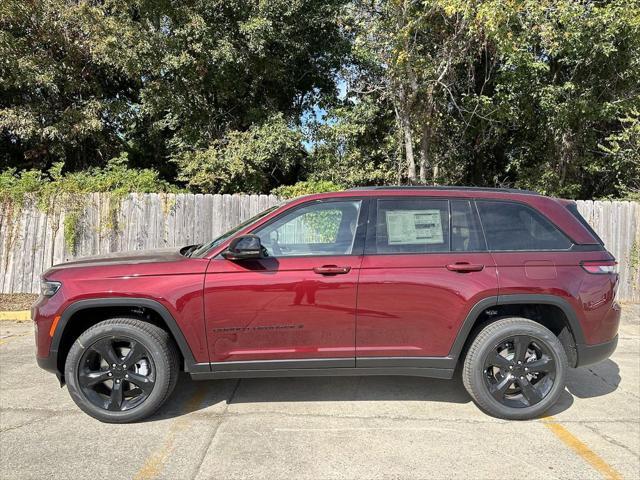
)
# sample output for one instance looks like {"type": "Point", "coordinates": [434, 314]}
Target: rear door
{"type": "Point", "coordinates": [532, 255]}
{"type": "Point", "coordinates": [425, 266]}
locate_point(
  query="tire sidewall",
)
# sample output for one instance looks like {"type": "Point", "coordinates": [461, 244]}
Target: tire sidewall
{"type": "Point", "coordinates": [155, 349]}
{"type": "Point", "coordinates": [542, 335]}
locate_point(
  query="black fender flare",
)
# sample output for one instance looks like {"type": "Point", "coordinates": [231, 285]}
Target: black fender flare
{"type": "Point", "coordinates": [154, 305]}
{"type": "Point", "coordinates": [540, 299]}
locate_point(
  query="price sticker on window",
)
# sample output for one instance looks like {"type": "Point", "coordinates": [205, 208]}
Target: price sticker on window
{"type": "Point", "coordinates": [411, 227]}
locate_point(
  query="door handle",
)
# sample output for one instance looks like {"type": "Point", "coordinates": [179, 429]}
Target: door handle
{"type": "Point", "coordinates": [464, 267]}
{"type": "Point", "coordinates": [331, 270]}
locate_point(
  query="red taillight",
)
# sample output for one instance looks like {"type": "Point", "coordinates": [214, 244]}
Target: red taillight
{"type": "Point", "coordinates": [600, 267]}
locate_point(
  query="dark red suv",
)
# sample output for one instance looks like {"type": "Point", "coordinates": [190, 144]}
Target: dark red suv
{"type": "Point", "coordinates": [510, 286]}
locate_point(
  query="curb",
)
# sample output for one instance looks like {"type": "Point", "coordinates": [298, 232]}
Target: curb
{"type": "Point", "coordinates": [20, 315]}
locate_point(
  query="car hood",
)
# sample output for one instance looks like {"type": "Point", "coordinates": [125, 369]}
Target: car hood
{"type": "Point", "coordinates": [124, 258]}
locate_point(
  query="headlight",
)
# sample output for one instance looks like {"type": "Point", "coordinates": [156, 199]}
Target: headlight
{"type": "Point", "coordinates": [48, 289]}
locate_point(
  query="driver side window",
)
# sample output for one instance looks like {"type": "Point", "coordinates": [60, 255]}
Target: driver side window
{"type": "Point", "coordinates": [324, 228]}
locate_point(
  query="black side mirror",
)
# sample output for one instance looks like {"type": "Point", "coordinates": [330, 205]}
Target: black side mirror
{"type": "Point", "coordinates": [244, 247]}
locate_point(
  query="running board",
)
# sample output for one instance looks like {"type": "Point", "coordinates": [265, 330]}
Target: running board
{"type": "Point", "coordinates": [444, 373]}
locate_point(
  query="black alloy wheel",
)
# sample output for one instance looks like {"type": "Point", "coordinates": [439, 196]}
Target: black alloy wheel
{"type": "Point", "coordinates": [116, 374]}
{"type": "Point", "coordinates": [519, 371]}
{"type": "Point", "coordinates": [122, 369]}
{"type": "Point", "coordinates": [515, 368]}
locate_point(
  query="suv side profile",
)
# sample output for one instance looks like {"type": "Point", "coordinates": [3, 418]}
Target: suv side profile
{"type": "Point", "coordinates": [509, 286]}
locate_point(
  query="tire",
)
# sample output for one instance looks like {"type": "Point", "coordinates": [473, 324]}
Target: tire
{"type": "Point", "coordinates": [116, 392]}
{"type": "Point", "coordinates": [506, 389]}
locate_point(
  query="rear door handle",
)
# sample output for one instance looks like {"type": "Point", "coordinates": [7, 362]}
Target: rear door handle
{"type": "Point", "coordinates": [331, 270]}
{"type": "Point", "coordinates": [464, 267]}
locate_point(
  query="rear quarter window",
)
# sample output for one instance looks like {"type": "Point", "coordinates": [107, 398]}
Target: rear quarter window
{"type": "Point", "coordinates": [510, 226]}
{"type": "Point", "coordinates": [573, 208]}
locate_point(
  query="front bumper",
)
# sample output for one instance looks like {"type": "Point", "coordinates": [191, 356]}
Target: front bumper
{"type": "Point", "coordinates": [589, 354]}
{"type": "Point", "coordinates": [48, 363]}
{"type": "Point", "coordinates": [43, 314]}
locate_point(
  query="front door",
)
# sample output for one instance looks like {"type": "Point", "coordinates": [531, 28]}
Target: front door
{"type": "Point", "coordinates": [425, 267]}
{"type": "Point", "coordinates": [298, 303]}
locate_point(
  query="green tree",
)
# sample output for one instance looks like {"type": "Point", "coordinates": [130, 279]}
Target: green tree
{"type": "Point", "coordinates": [253, 161]}
{"type": "Point", "coordinates": [500, 92]}
{"type": "Point", "coordinates": [66, 83]}
{"type": "Point", "coordinates": [424, 49]}
{"type": "Point", "coordinates": [355, 144]}
{"type": "Point", "coordinates": [622, 158]}
{"type": "Point", "coordinates": [306, 188]}
{"type": "Point", "coordinates": [567, 73]}
{"type": "Point", "coordinates": [82, 81]}
{"type": "Point", "coordinates": [214, 93]}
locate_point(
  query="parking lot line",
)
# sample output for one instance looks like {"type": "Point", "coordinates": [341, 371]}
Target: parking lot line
{"type": "Point", "coordinates": [588, 455]}
{"type": "Point", "coordinates": [21, 315]}
{"type": "Point", "coordinates": [153, 464]}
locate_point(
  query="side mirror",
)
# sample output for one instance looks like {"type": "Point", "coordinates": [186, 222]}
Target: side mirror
{"type": "Point", "coordinates": [244, 247]}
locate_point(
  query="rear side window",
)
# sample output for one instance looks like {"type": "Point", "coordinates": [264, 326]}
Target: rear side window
{"type": "Point", "coordinates": [412, 225]}
{"type": "Point", "coordinates": [512, 226]}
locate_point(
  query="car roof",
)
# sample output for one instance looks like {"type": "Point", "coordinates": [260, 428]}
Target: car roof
{"type": "Point", "coordinates": [436, 191]}
{"type": "Point", "coordinates": [446, 188]}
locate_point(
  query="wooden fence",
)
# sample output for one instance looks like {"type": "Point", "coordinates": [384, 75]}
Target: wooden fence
{"type": "Point", "coordinates": [34, 241]}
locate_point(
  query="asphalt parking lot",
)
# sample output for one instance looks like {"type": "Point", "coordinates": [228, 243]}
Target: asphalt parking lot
{"type": "Point", "coordinates": [316, 428]}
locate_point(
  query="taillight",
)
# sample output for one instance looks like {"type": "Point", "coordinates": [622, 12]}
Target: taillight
{"type": "Point", "coordinates": [600, 267]}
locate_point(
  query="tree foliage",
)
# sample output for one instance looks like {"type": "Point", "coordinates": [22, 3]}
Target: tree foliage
{"type": "Point", "coordinates": [355, 144]}
{"type": "Point", "coordinates": [522, 93]}
{"type": "Point", "coordinates": [82, 81]}
{"type": "Point", "coordinates": [115, 177]}
{"type": "Point", "coordinates": [254, 161]}
{"type": "Point", "coordinates": [306, 188]}
{"type": "Point", "coordinates": [246, 95]}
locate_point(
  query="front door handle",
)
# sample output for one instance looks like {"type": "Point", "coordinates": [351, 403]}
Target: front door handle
{"type": "Point", "coordinates": [331, 270]}
{"type": "Point", "coordinates": [464, 267]}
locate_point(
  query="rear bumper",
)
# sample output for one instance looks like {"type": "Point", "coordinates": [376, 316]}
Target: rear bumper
{"type": "Point", "coordinates": [589, 354]}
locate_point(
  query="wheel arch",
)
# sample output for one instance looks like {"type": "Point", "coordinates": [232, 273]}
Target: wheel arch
{"type": "Point", "coordinates": [560, 318]}
{"type": "Point", "coordinates": [71, 324]}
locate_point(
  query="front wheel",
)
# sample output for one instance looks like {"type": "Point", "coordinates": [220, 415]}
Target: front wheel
{"type": "Point", "coordinates": [121, 370]}
{"type": "Point", "coordinates": [515, 369]}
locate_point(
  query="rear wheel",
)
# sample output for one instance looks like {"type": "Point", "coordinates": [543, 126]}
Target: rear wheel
{"type": "Point", "coordinates": [121, 370]}
{"type": "Point", "coordinates": [515, 369]}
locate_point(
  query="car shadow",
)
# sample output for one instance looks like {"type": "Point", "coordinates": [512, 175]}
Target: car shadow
{"type": "Point", "coordinates": [215, 395]}
{"type": "Point", "coordinates": [595, 380]}
{"type": "Point", "coordinates": [588, 382]}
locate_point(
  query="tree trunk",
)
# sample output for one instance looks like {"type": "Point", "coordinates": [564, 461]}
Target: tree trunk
{"type": "Point", "coordinates": [425, 150]}
{"type": "Point", "coordinates": [566, 156]}
{"type": "Point", "coordinates": [402, 116]}
{"type": "Point", "coordinates": [427, 136]}
{"type": "Point", "coordinates": [408, 147]}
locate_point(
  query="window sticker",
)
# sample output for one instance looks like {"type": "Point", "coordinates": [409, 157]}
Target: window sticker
{"type": "Point", "coordinates": [410, 227]}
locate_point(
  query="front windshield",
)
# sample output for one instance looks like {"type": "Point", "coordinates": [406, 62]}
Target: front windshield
{"type": "Point", "coordinates": [205, 247]}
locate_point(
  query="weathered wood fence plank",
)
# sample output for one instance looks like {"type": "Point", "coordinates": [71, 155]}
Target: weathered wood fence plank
{"type": "Point", "coordinates": [34, 241]}
{"type": "Point", "coordinates": [618, 224]}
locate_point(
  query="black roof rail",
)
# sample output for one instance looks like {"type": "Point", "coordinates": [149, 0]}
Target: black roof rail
{"type": "Point", "coordinates": [425, 187]}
